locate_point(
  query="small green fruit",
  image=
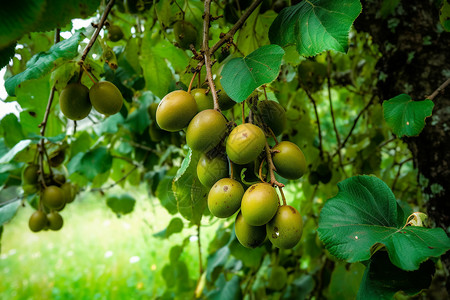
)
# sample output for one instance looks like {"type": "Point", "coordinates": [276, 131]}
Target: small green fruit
{"type": "Point", "coordinates": [37, 221]}
{"type": "Point", "coordinates": [286, 227]}
{"type": "Point", "coordinates": [277, 278]}
{"type": "Point", "coordinates": [224, 198]}
{"type": "Point", "coordinates": [30, 174]}
{"type": "Point", "coordinates": [185, 34]}
{"type": "Point", "coordinates": [74, 101]}
{"type": "Point", "coordinates": [245, 143]}
{"type": "Point", "coordinates": [69, 192]}
{"type": "Point", "coordinates": [176, 110]}
{"type": "Point", "coordinates": [53, 197]}
{"type": "Point", "coordinates": [249, 236]}
{"type": "Point", "coordinates": [151, 109]}
{"type": "Point", "coordinates": [206, 130]}
{"type": "Point", "coordinates": [273, 115]}
{"type": "Point", "coordinates": [204, 100]}
{"type": "Point", "coordinates": [106, 98]}
{"type": "Point", "coordinates": [211, 170]}
{"type": "Point", "coordinates": [55, 221]}
{"type": "Point", "coordinates": [259, 204]}
{"type": "Point", "coordinates": [225, 102]}
{"type": "Point", "coordinates": [324, 172]}
{"type": "Point", "coordinates": [115, 33]}
{"type": "Point", "coordinates": [290, 162]}
{"type": "Point", "coordinates": [156, 133]}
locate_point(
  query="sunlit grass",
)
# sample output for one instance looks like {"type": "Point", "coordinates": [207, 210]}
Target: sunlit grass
{"type": "Point", "coordinates": [95, 256]}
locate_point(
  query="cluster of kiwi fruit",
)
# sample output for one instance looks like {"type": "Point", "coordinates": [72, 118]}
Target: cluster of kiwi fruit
{"type": "Point", "coordinates": [76, 100]}
{"type": "Point", "coordinates": [259, 213]}
{"type": "Point", "coordinates": [54, 193]}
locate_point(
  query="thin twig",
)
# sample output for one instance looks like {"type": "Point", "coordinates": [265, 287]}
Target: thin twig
{"type": "Point", "coordinates": [400, 164]}
{"type": "Point", "coordinates": [271, 167]}
{"type": "Point", "coordinates": [439, 89]}
{"type": "Point", "coordinates": [207, 53]}
{"type": "Point", "coordinates": [200, 262]}
{"type": "Point", "coordinates": [313, 101]}
{"type": "Point", "coordinates": [101, 189]}
{"type": "Point", "coordinates": [354, 125]}
{"type": "Point", "coordinates": [97, 31]}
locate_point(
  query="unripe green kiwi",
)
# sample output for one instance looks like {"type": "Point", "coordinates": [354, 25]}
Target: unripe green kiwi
{"type": "Point", "coordinates": [151, 109]}
{"type": "Point", "coordinates": [290, 161]}
{"type": "Point", "coordinates": [185, 33]}
{"type": "Point", "coordinates": [55, 221]}
{"type": "Point", "coordinates": [68, 191]}
{"type": "Point", "coordinates": [245, 143]}
{"type": "Point", "coordinates": [37, 221]}
{"type": "Point", "coordinates": [211, 170]}
{"type": "Point", "coordinates": [53, 197]}
{"type": "Point", "coordinates": [156, 133]}
{"type": "Point", "coordinates": [249, 236]}
{"type": "Point", "coordinates": [204, 100]}
{"type": "Point", "coordinates": [30, 174]}
{"type": "Point", "coordinates": [286, 227]}
{"type": "Point", "coordinates": [225, 102]}
{"type": "Point", "coordinates": [224, 198]}
{"type": "Point", "coordinates": [259, 204]}
{"type": "Point", "coordinates": [273, 115]}
{"type": "Point", "coordinates": [115, 33]}
{"type": "Point", "coordinates": [206, 130]}
{"type": "Point", "coordinates": [74, 101]}
{"type": "Point", "coordinates": [176, 110]}
{"type": "Point", "coordinates": [106, 98]}
{"type": "Point", "coordinates": [277, 278]}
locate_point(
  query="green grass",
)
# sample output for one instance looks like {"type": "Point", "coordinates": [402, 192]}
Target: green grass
{"type": "Point", "coordinates": [95, 255]}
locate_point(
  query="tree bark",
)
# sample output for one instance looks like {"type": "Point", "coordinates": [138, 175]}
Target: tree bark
{"type": "Point", "coordinates": [416, 61]}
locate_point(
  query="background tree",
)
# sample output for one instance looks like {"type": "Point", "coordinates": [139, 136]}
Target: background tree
{"type": "Point", "coordinates": [194, 77]}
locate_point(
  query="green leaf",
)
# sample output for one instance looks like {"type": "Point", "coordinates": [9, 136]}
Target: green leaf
{"type": "Point", "coordinates": [241, 76]}
{"type": "Point", "coordinates": [315, 26]}
{"type": "Point", "coordinates": [249, 257]}
{"type": "Point", "coordinates": [18, 17]}
{"type": "Point", "coordinates": [405, 116]}
{"type": "Point", "coordinates": [156, 72]}
{"type": "Point", "coordinates": [8, 211]}
{"type": "Point", "coordinates": [444, 15]}
{"type": "Point", "coordinates": [12, 130]}
{"type": "Point", "coordinates": [138, 120]}
{"type": "Point", "coordinates": [382, 279]}
{"type": "Point", "coordinates": [165, 194]}
{"type": "Point", "coordinates": [364, 215]}
{"type": "Point", "coordinates": [121, 205]}
{"type": "Point", "coordinates": [175, 226]}
{"type": "Point", "coordinates": [91, 163]}
{"type": "Point", "coordinates": [43, 62]}
{"type": "Point", "coordinates": [226, 289]}
{"type": "Point", "coordinates": [189, 192]}
{"type": "Point", "coordinates": [216, 260]}
{"type": "Point", "coordinates": [14, 151]}
{"type": "Point", "coordinates": [351, 275]}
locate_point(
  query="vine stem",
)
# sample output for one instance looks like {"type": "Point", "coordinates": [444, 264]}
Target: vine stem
{"type": "Point", "coordinates": [200, 262]}
{"type": "Point", "coordinates": [271, 167]}
{"type": "Point", "coordinates": [439, 89]}
{"type": "Point", "coordinates": [97, 31]}
{"type": "Point", "coordinates": [207, 53]}
{"type": "Point", "coordinates": [314, 103]}
{"type": "Point", "coordinates": [354, 125]}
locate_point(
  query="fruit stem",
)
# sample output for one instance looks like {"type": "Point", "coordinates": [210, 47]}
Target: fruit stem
{"type": "Point", "coordinates": [273, 135]}
{"type": "Point", "coordinates": [265, 93]}
{"type": "Point", "coordinates": [90, 77]}
{"type": "Point", "coordinates": [271, 167]}
{"type": "Point", "coordinates": [207, 53]}
{"type": "Point", "coordinates": [192, 81]}
{"type": "Point", "coordinates": [243, 115]}
{"type": "Point", "coordinates": [97, 31]}
{"type": "Point", "coordinates": [282, 195]}
{"type": "Point", "coordinates": [260, 170]}
{"type": "Point", "coordinates": [231, 170]}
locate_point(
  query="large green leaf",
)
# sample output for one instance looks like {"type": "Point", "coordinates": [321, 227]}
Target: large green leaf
{"type": "Point", "coordinates": [364, 214]}
{"type": "Point", "coordinates": [18, 17]}
{"type": "Point", "coordinates": [315, 25]}
{"type": "Point", "coordinates": [12, 130]}
{"type": "Point", "coordinates": [189, 192]}
{"type": "Point", "coordinates": [226, 289]}
{"type": "Point", "coordinates": [7, 54]}
{"type": "Point", "coordinates": [42, 63]}
{"type": "Point", "coordinates": [382, 279]}
{"type": "Point", "coordinates": [176, 225]}
{"type": "Point", "coordinates": [14, 151]}
{"type": "Point", "coordinates": [405, 116]}
{"type": "Point", "coordinates": [242, 75]}
{"type": "Point", "coordinates": [8, 211]}
{"type": "Point", "coordinates": [91, 163]}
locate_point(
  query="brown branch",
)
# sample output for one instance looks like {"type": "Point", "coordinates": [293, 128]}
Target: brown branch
{"type": "Point", "coordinates": [97, 31]}
{"type": "Point", "coordinates": [207, 53]}
{"type": "Point", "coordinates": [271, 167]}
{"type": "Point", "coordinates": [439, 89]}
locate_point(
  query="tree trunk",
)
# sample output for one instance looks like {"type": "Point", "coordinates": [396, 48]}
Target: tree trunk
{"type": "Point", "coordinates": [416, 61]}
